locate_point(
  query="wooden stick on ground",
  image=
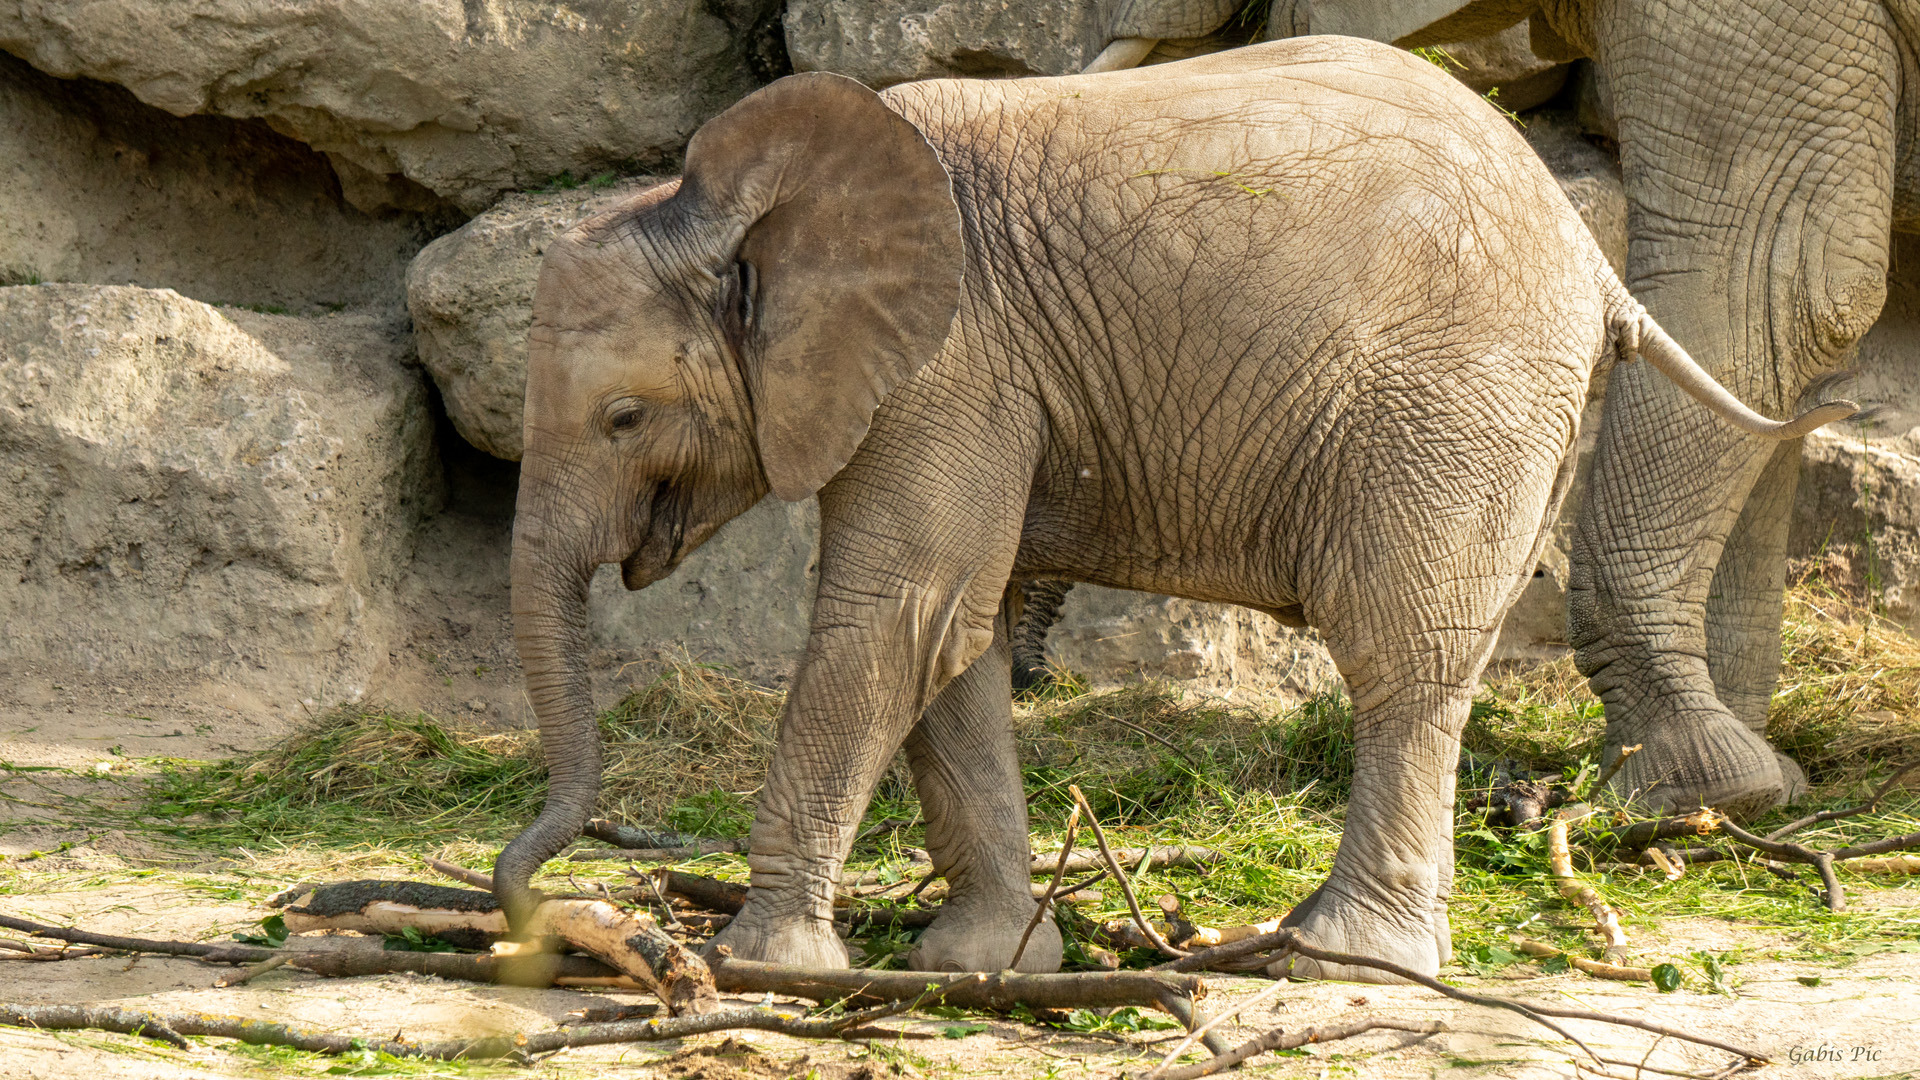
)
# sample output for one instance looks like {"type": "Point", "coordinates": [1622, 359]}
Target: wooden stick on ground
{"type": "Point", "coordinates": [170, 1028]}
{"type": "Point", "coordinates": [1203, 1030]}
{"type": "Point", "coordinates": [1606, 774]}
{"type": "Point", "coordinates": [1120, 875]}
{"type": "Point", "coordinates": [632, 943]}
{"type": "Point", "coordinates": [1791, 852]}
{"type": "Point", "coordinates": [1053, 887]}
{"type": "Point", "coordinates": [459, 873]}
{"type": "Point", "coordinates": [1606, 920]}
{"type": "Point", "coordinates": [974, 990]}
{"type": "Point", "coordinates": [1288, 940]}
{"type": "Point", "coordinates": [1279, 1039]}
{"type": "Point", "coordinates": [1596, 968]}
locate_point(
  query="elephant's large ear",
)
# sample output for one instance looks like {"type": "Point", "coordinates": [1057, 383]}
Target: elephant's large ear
{"type": "Point", "coordinates": [848, 261]}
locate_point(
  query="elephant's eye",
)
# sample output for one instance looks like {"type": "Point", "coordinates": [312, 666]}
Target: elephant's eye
{"type": "Point", "coordinates": [624, 419]}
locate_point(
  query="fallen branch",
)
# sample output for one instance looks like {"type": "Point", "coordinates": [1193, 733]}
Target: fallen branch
{"type": "Point", "coordinates": [1606, 920]}
{"type": "Point", "coordinates": [1203, 1030]}
{"type": "Point", "coordinates": [70, 1017]}
{"type": "Point", "coordinates": [1596, 968]}
{"type": "Point", "coordinates": [1120, 875]}
{"type": "Point", "coordinates": [1643, 834]}
{"type": "Point", "coordinates": [463, 917]}
{"type": "Point", "coordinates": [1279, 1039]}
{"type": "Point", "coordinates": [964, 990]}
{"type": "Point", "coordinates": [170, 1027]}
{"type": "Point", "coordinates": [1787, 851]}
{"type": "Point", "coordinates": [626, 836]}
{"type": "Point", "coordinates": [633, 943]}
{"type": "Point", "coordinates": [221, 954]}
{"type": "Point", "coordinates": [1176, 857]}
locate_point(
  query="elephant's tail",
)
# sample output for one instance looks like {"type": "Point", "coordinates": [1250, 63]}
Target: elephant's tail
{"type": "Point", "coordinates": [1633, 331]}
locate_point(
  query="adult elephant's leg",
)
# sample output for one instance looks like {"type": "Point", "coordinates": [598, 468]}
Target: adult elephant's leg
{"type": "Point", "coordinates": [1745, 600]}
{"type": "Point", "coordinates": [1757, 146]}
{"type": "Point", "coordinates": [968, 775]}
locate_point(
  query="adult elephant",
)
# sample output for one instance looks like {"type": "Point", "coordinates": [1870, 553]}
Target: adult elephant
{"type": "Point", "coordinates": [1768, 151]}
{"type": "Point", "coordinates": [1305, 327]}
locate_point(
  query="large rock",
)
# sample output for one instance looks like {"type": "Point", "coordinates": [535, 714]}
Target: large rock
{"type": "Point", "coordinates": [1113, 636]}
{"type": "Point", "coordinates": [196, 493]}
{"type": "Point", "coordinates": [1857, 509]}
{"type": "Point", "coordinates": [95, 186]}
{"type": "Point", "coordinates": [743, 600]}
{"type": "Point", "coordinates": [462, 100]}
{"type": "Point", "coordinates": [471, 296]}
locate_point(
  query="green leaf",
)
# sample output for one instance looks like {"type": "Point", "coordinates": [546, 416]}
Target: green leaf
{"type": "Point", "coordinates": [1556, 964]}
{"type": "Point", "coordinates": [1666, 978]}
{"type": "Point", "coordinates": [273, 933]}
{"type": "Point", "coordinates": [961, 1031]}
{"type": "Point", "coordinates": [1487, 959]}
{"type": "Point", "coordinates": [1807, 980]}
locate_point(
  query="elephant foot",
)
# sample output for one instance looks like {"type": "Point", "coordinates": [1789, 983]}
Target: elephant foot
{"type": "Point", "coordinates": [804, 941]}
{"type": "Point", "coordinates": [981, 937]}
{"type": "Point", "coordinates": [1700, 759]}
{"type": "Point", "coordinates": [1418, 938]}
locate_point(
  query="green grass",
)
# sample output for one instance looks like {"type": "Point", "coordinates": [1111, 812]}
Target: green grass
{"type": "Point", "coordinates": [1264, 785]}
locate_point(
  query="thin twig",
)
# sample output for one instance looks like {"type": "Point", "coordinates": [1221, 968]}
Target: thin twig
{"type": "Point", "coordinates": [1291, 941]}
{"type": "Point", "coordinates": [245, 975]}
{"type": "Point", "coordinates": [1203, 1030]}
{"type": "Point", "coordinates": [1162, 740]}
{"type": "Point", "coordinates": [1606, 774]}
{"type": "Point", "coordinates": [224, 954]}
{"type": "Point", "coordinates": [170, 1027]}
{"type": "Point", "coordinates": [1278, 1039]}
{"type": "Point", "coordinates": [460, 873]}
{"type": "Point", "coordinates": [1120, 876]}
{"type": "Point", "coordinates": [1873, 800]}
{"type": "Point", "coordinates": [1053, 887]}
{"type": "Point", "coordinates": [666, 908]}
{"type": "Point", "coordinates": [1789, 851]}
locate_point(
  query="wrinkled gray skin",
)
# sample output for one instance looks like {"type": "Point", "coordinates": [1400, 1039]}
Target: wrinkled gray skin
{"type": "Point", "coordinates": [1304, 326]}
{"type": "Point", "coordinates": [1768, 150]}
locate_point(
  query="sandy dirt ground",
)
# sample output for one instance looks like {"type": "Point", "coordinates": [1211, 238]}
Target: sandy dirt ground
{"type": "Point", "coordinates": [1861, 1019]}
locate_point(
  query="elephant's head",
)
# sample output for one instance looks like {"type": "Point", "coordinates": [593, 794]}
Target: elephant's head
{"type": "Point", "coordinates": [713, 339]}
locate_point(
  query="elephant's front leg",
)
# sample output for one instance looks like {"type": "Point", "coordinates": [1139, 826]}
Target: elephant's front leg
{"type": "Point", "coordinates": [968, 776]}
{"type": "Point", "coordinates": [905, 606]}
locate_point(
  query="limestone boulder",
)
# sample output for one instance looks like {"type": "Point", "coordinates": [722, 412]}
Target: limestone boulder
{"type": "Point", "coordinates": [743, 600]}
{"type": "Point", "coordinates": [203, 493]}
{"type": "Point", "coordinates": [1112, 636]}
{"type": "Point", "coordinates": [97, 187]}
{"type": "Point", "coordinates": [425, 100]}
{"type": "Point", "coordinates": [471, 296]}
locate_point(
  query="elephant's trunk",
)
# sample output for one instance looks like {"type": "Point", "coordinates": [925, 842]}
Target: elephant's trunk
{"type": "Point", "coordinates": [550, 580]}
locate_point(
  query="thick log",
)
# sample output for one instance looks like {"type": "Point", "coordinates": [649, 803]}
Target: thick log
{"type": "Point", "coordinates": [965, 990]}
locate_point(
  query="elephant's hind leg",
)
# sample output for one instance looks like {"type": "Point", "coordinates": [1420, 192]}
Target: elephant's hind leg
{"type": "Point", "coordinates": [1386, 896]}
{"type": "Point", "coordinates": [968, 776]}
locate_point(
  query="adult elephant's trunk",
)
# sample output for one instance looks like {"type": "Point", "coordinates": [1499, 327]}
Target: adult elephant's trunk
{"type": "Point", "coordinates": [550, 581]}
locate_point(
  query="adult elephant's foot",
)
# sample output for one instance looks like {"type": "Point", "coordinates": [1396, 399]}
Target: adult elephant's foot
{"type": "Point", "coordinates": [983, 937]}
{"type": "Point", "coordinates": [1414, 935]}
{"type": "Point", "coordinates": [1699, 758]}
{"type": "Point", "coordinates": [802, 940]}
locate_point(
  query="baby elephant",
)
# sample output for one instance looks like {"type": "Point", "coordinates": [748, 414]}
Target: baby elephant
{"type": "Point", "coordinates": [1303, 326]}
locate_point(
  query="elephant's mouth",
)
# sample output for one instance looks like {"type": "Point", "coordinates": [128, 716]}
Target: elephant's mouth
{"type": "Point", "coordinates": [663, 537]}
